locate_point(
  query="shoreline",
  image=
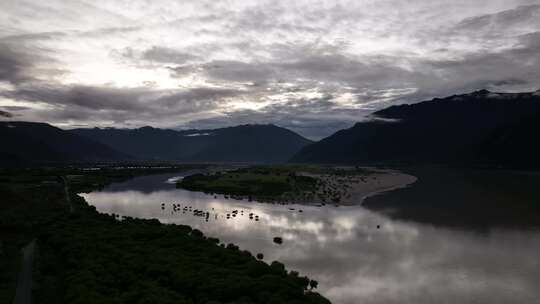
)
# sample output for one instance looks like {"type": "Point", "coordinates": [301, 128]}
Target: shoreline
{"type": "Point", "coordinates": [404, 184]}
{"type": "Point", "coordinates": [381, 181]}
{"type": "Point", "coordinates": [336, 186]}
{"type": "Point", "coordinates": [354, 189]}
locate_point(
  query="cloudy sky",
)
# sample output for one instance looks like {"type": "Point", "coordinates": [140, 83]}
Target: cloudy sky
{"type": "Point", "coordinates": [311, 66]}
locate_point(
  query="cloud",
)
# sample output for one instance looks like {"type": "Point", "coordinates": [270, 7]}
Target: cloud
{"type": "Point", "coordinates": [13, 65]}
{"type": "Point", "coordinates": [512, 69]}
{"type": "Point", "coordinates": [310, 127]}
{"type": "Point", "coordinates": [5, 114]}
{"type": "Point", "coordinates": [504, 22]}
{"type": "Point", "coordinates": [109, 106]}
{"type": "Point", "coordinates": [313, 118]}
{"type": "Point", "coordinates": [20, 63]}
{"type": "Point", "coordinates": [33, 37]}
{"type": "Point", "coordinates": [166, 55]}
{"type": "Point", "coordinates": [230, 70]}
{"type": "Point", "coordinates": [313, 66]}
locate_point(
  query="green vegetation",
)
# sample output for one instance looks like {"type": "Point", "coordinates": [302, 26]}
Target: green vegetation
{"type": "Point", "coordinates": [29, 201]}
{"type": "Point", "coordinates": [259, 182]}
{"type": "Point", "coordinates": [282, 184]}
{"type": "Point", "coordinates": [87, 257]}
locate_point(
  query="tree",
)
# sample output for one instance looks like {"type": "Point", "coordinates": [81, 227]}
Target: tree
{"type": "Point", "coordinates": [313, 284]}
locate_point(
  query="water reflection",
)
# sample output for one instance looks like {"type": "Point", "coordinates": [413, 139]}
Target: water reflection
{"type": "Point", "coordinates": [341, 247]}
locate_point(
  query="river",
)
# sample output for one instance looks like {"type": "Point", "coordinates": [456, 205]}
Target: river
{"type": "Point", "coordinates": [356, 255]}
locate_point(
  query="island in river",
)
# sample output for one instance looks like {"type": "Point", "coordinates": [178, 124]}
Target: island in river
{"type": "Point", "coordinates": [307, 184]}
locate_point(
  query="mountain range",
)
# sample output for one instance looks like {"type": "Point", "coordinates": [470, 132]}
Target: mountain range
{"type": "Point", "coordinates": [244, 143]}
{"type": "Point", "coordinates": [479, 127]}
{"type": "Point", "coordinates": [39, 142]}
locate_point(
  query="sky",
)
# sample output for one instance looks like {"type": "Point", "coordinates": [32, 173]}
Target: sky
{"type": "Point", "coordinates": [311, 66]}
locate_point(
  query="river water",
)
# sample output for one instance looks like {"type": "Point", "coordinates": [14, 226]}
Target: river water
{"type": "Point", "coordinates": [356, 255]}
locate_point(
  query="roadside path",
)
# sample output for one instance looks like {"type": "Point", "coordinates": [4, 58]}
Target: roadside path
{"type": "Point", "coordinates": [66, 191]}
{"type": "Point", "coordinates": [23, 293]}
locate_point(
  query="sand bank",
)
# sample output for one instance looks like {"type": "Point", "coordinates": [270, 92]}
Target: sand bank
{"type": "Point", "coordinates": [354, 189]}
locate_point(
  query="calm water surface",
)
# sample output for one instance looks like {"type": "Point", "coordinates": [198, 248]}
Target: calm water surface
{"type": "Point", "coordinates": [342, 248]}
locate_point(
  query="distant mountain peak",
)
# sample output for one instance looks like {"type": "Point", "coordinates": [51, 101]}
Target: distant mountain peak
{"type": "Point", "coordinates": [35, 142]}
{"type": "Point", "coordinates": [481, 92]}
{"type": "Point", "coordinates": [242, 143]}
{"type": "Point", "coordinates": [255, 125]}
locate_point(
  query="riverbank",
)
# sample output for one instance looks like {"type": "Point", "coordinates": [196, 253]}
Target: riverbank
{"type": "Point", "coordinates": [359, 188]}
{"type": "Point", "coordinates": [88, 257]}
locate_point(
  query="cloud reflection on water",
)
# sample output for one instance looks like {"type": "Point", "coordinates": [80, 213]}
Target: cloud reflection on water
{"type": "Point", "coordinates": [402, 262]}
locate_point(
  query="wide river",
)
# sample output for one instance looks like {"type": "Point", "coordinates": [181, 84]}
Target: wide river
{"type": "Point", "coordinates": [357, 256]}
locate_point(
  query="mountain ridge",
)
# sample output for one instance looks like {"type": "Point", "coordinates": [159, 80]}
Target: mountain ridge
{"type": "Point", "coordinates": [477, 127]}
{"type": "Point", "coordinates": [40, 142]}
{"type": "Point", "coordinates": [242, 143]}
